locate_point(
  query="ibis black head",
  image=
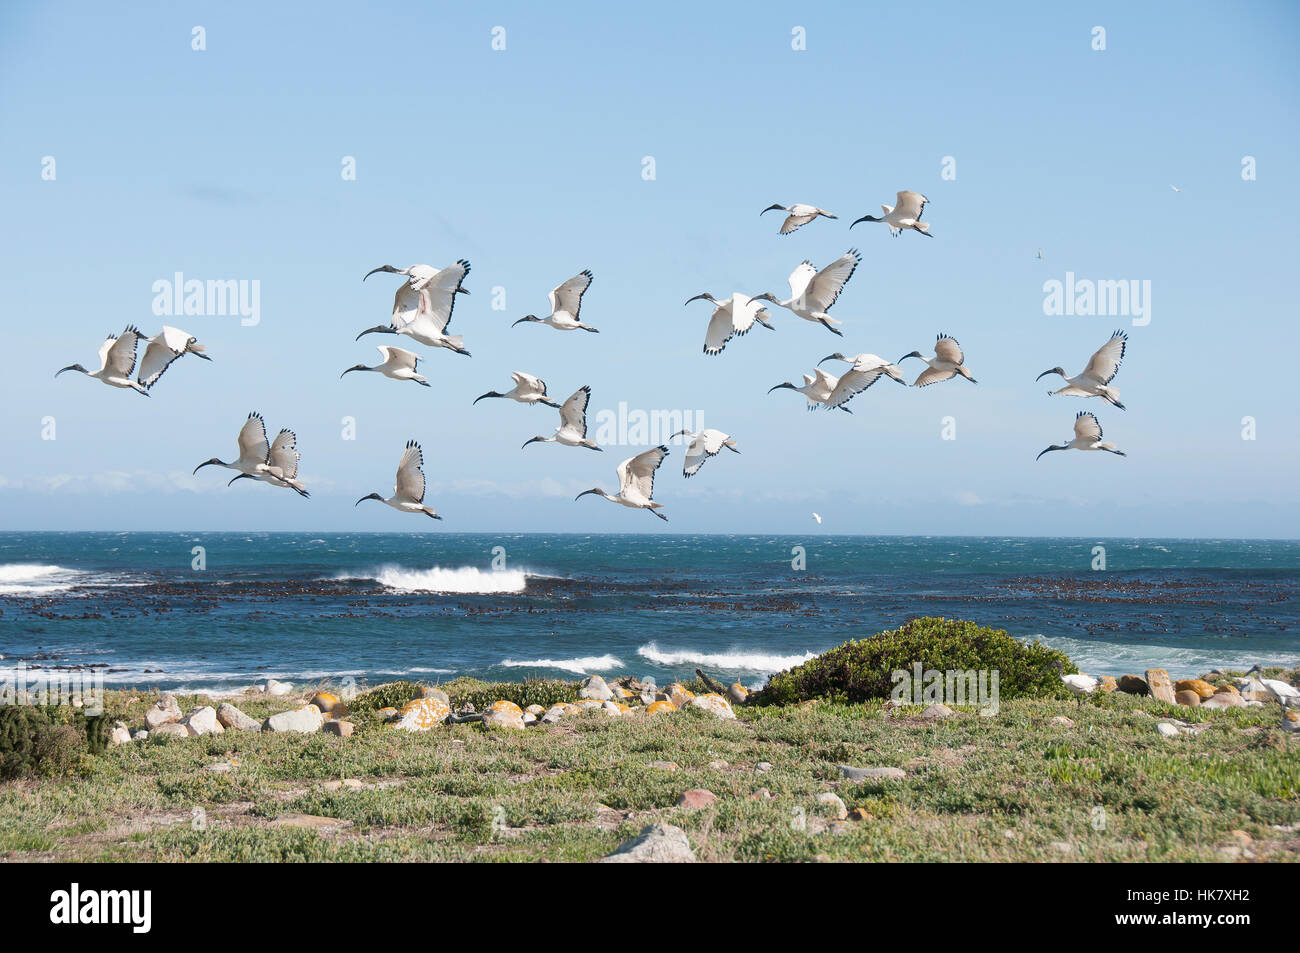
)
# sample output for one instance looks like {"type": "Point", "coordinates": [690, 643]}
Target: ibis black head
{"type": "Point", "coordinates": [370, 496]}
{"type": "Point", "coordinates": [1054, 370]}
{"type": "Point", "coordinates": [71, 367]}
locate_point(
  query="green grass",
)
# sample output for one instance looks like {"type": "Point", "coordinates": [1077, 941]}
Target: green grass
{"type": "Point", "coordinates": [1009, 787]}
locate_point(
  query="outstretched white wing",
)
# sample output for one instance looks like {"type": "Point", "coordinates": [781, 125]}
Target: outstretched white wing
{"type": "Point", "coordinates": [830, 281]}
{"type": "Point", "coordinates": [720, 329]}
{"type": "Point", "coordinates": [282, 460]}
{"type": "Point", "coordinates": [433, 302]}
{"type": "Point", "coordinates": [118, 355]}
{"type": "Point", "coordinates": [911, 205]}
{"type": "Point", "coordinates": [1104, 365]}
{"type": "Point", "coordinates": [398, 356]}
{"type": "Point", "coordinates": [410, 475]}
{"type": "Point", "coordinates": [744, 312]}
{"type": "Point", "coordinates": [933, 375]}
{"type": "Point", "coordinates": [947, 349]}
{"type": "Point", "coordinates": [1086, 427]}
{"type": "Point", "coordinates": [253, 447]}
{"type": "Point", "coordinates": [852, 383]}
{"type": "Point", "coordinates": [573, 413]}
{"type": "Point", "coordinates": [568, 296]}
{"type": "Point", "coordinates": [801, 278]}
{"type": "Point", "coordinates": [636, 475]}
{"type": "Point", "coordinates": [706, 444]}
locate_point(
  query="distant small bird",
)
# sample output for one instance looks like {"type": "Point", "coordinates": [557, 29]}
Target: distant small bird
{"type": "Point", "coordinates": [813, 292]}
{"type": "Point", "coordinates": [636, 482]}
{"type": "Point", "coordinates": [1087, 436]}
{"type": "Point", "coordinates": [399, 364]}
{"type": "Point", "coordinates": [566, 302]}
{"type": "Point", "coordinates": [799, 216]}
{"type": "Point", "coordinates": [732, 317]}
{"type": "Point", "coordinates": [1175, 188]}
{"type": "Point", "coordinates": [164, 348]}
{"type": "Point", "coordinates": [408, 493]}
{"type": "Point", "coordinates": [116, 361]}
{"type": "Point", "coordinates": [572, 431]}
{"type": "Point", "coordinates": [907, 214]}
{"type": "Point", "coordinates": [818, 518]}
{"type": "Point", "coordinates": [947, 363]}
{"type": "Point", "coordinates": [703, 445]}
{"type": "Point", "coordinates": [527, 390]}
{"type": "Point", "coordinates": [1094, 380]}
{"type": "Point", "coordinates": [1040, 254]}
{"type": "Point", "coordinates": [423, 304]}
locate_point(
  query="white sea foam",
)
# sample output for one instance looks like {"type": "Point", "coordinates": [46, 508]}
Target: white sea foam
{"type": "Point", "coordinates": [578, 666]}
{"type": "Point", "coordinates": [1120, 658]}
{"type": "Point", "coordinates": [722, 661]}
{"type": "Point", "coordinates": [17, 579]}
{"type": "Point", "coordinates": [464, 579]}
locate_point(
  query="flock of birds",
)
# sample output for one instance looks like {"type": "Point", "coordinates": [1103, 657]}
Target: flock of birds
{"type": "Point", "coordinates": [422, 311]}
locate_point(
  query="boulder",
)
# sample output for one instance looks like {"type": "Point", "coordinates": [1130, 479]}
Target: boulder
{"type": "Point", "coordinates": [503, 718]}
{"type": "Point", "coordinates": [530, 718]}
{"type": "Point", "coordinates": [120, 735]}
{"type": "Point", "coordinates": [829, 804]}
{"type": "Point", "coordinates": [718, 765]}
{"type": "Point", "coordinates": [1227, 690]}
{"type": "Point", "coordinates": [678, 694]}
{"type": "Point", "coordinates": [656, 844]}
{"type": "Point", "coordinates": [1159, 685]}
{"type": "Point", "coordinates": [715, 705]}
{"type": "Point", "coordinates": [327, 702]}
{"type": "Point", "coordinates": [537, 711]}
{"type": "Point", "coordinates": [552, 715]}
{"type": "Point", "coordinates": [1167, 729]}
{"type": "Point", "coordinates": [171, 729]}
{"type": "Point", "coordinates": [140, 735]}
{"type": "Point", "coordinates": [859, 814]}
{"type": "Point", "coordinates": [276, 688]}
{"type": "Point", "coordinates": [203, 721]}
{"type": "Point", "coordinates": [937, 711]}
{"type": "Point", "coordinates": [1063, 721]}
{"type": "Point", "coordinates": [510, 708]}
{"type": "Point", "coordinates": [1291, 721]}
{"type": "Point", "coordinates": [1134, 685]}
{"type": "Point", "coordinates": [1200, 686]}
{"type": "Point", "coordinates": [594, 687]}
{"type": "Point", "coordinates": [343, 729]}
{"type": "Point", "coordinates": [1107, 683]}
{"type": "Point", "coordinates": [429, 691]}
{"type": "Point", "coordinates": [388, 714]}
{"type": "Point", "coordinates": [1224, 700]}
{"type": "Point", "coordinates": [305, 720]}
{"type": "Point", "coordinates": [231, 717]}
{"type": "Point", "coordinates": [737, 693]}
{"type": "Point", "coordinates": [421, 714]}
{"type": "Point", "coordinates": [1188, 698]}
{"type": "Point", "coordinates": [614, 709]}
{"type": "Point", "coordinates": [165, 711]}
{"type": "Point", "coordinates": [850, 773]}
{"type": "Point", "coordinates": [696, 799]}
{"type": "Point", "coordinates": [660, 707]}
{"type": "Point", "coordinates": [763, 767]}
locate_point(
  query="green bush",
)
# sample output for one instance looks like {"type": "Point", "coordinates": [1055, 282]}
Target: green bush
{"type": "Point", "coordinates": [34, 743]}
{"type": "Point", "coordinates": [861, 669]}
{"type": "Point", "coordinates": [535, 691]}
{"type": "Point", "coordinates": [390, 695]}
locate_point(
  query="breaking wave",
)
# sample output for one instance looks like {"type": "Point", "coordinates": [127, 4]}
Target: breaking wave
{"type": "Point", "coordinates": [576, 666]}
{"type": "Point", "coordinates": [723, 662]}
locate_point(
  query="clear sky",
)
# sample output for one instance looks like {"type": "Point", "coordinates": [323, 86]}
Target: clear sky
{"type": "Point", "coordinates": [227, 163]}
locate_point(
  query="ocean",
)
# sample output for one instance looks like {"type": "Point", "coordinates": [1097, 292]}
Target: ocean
{"type": "Point", "coordinates": [433, 607]}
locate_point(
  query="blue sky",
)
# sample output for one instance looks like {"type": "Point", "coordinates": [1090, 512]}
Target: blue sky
{"type": "Point", "coordinates": [225, 164]}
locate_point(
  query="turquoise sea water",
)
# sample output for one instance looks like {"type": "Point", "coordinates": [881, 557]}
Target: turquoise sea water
{"type": "Point", "coordinates": [376, 606]}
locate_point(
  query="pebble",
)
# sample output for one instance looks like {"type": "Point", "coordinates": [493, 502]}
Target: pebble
{"type": "Point", "coordinates": [763, 767]}
{"type": "Point", "coordinates": [937, 711]}
{"type": "Point", "coordinates": [718, 765]}
{"type": "Point", "coordinates": [696, 799]}
{"type": "Point", "coordinates": [1063, 721]}
{"type": "Point", "coordinates": [830, 803]}
{"type": "Point", "coordinates": [664, 765]}
{"type": "Point", "coordinates": [871, 774]}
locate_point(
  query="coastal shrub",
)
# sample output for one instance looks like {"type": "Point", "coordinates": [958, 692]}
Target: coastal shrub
{"type": "Point", "coordinates": [389, 695]}
{"type": "Point", "coordinates": [31, 743]}
{"type": "Point", "coordinates": [861, 669]}
{"type": "Point", "coordinates": [535, 691]}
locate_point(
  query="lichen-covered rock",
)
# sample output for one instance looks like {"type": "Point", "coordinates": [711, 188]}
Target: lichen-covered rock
{"type": "Point", "coordinates": [388, 714]}
{"type": "Point", "coordinates": [935, 712]}
{"type": "Point", "coordinates": [504, 718]}
{"type": "Point", "coordinates": [614, 709]}
{"type": "Point", "coordinates": [327, 702]}
{"type": "Point", "coordinates": [594, 687]}
{"type": "Point", "coordinates": [306, 720]}
{"type": "Point", "coordinates": [1159, 685]}
{"type": "Point", "coordinates": [508, 707]}
{"type": "Point", "coordinates": [553, 714]}
{"type": "Point", "coordinates": [421, 714]}
{"type": "Point", "coordinates": [535, 710]}
{"type": "Point", "coordinates": [429, 691]}
{"type": "Point", "coordinates": [1133, 685]}
{"type": "Point", "coordinates": [1107, 683]}
{"type": "Point", "coordinates": [697, 799]}
{"type": "Point", "coordinates": [831, 805]}
{"type": "Point", "coordinates": [714, 704]}
{"type": "Point", "coordinates": [662, 707]}
{"type": "Point", "coordinates": [678, 694]}
{"type": "Point", "coordinates": [585, 704]}
{"type": "Point", "coordinates": [1202, 688]}
{"type": "Point", "coordinates": [737, 693]}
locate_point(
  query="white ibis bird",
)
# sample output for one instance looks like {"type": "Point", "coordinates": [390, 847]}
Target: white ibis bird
{"type": "Point", "coordinates": [281, 466]}
{"type": "Point", "coordinates": [423, 304]}
{"type": "Point", "coordinates": [817, 387]}
{"type": "Point", "coordinates": [732, 317]}
{"type": "Point", "coordinates": [116, 361]}
{"type": "Point", "coordinates": [703, 445]}
{"type": "Point", "coordinates": [906, 214]}
{"type": "Point", "coordinates": [636, 482]}
{"type": "Point", "coordinates": [167, 346]}
{"type": "Point", "coordinates": [818, 518]}
{"type": "Point", "coordinates": [572, 431]}
{"type": "Point", "coordinates": [527, 390]}
{"type": "Point", "coordinates": [408, 493]}
{"type": "Point", "coordinates": [399, 364]}
{"type": "Point", "coordinates": [948, 362]}
{"type": "Point", "coordinates": [812, 292]}
{"type": "Point", "coordinates": [1094, 380]}
{"type": "Point", "coordinates": [1087, 436]}
{"type": "Point", "coordinates": [254, 453]}
{"type": "Point", "coordinates": [866, 370]}
{"type": "Point", "coordinates": [1080, 685]}
{"type": "Point", "coordinates": [566, 301]}
{"type": "Point", "coordinates": [799, 216]}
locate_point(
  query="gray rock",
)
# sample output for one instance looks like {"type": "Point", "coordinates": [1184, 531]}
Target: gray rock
{"type": "Point", "coordinates": [119, 736]}
{"type": "Point", "coordinates": [172, 729]}
{"type": "Point", "coordinates": [165, 711]}
{"type": "Point", "coordinates": [664, 765]}
{"type": "Point", "coordinates": [1160, 685]}
{"type": "Point", "coordinates": [141, 735]}
{"type": "Point", "coordinates": [763, 767]}
{"type": "Point", "coordinates": [231, 717]}
{"type": "Point", "coordinates": [1167, 729]}
{"type": "Point", "coordinates": [306, 720]}
{"type": "Point", "coordinates": [697, 799]}
{"type": "Point", "coordinates": [871, 774]}
{"type": "Point", "coordinates": [438, 693]}
{"type": "Point", "coordinates": [830, 804]}
{"type": "Point", "coordinates": [503, 719]}
{"type": "Point", "coordinates": [593, 686]}
{"type": "Point", "coordinates": [203, 721]}
{"type": "Point", "coordinates": [276, 687]}
{"type": "Point", "coordinates": [656, 844]}
{"type": "Point", "coordinates": [937, 711]}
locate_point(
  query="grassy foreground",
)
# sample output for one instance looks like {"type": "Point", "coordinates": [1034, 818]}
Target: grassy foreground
{"type": "Point", "coordinates": [1011, 787]}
